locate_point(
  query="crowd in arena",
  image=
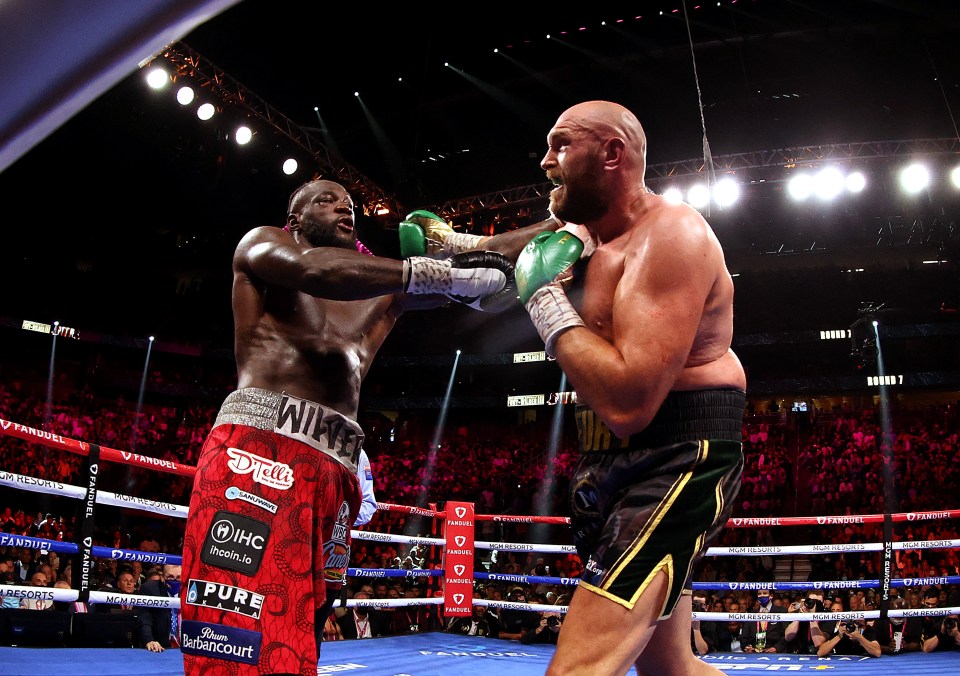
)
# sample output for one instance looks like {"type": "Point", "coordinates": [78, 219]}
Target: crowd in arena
{"type": "Point", "coordinates": [835, 467]}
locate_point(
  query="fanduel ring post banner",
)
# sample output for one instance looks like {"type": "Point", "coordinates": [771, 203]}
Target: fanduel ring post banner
{"type": "Point", "coordinates": [458, 560]}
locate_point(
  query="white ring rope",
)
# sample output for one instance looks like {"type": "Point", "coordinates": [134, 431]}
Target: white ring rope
{"type": "Point", "coordinates": [825, 617]}
{"type": "Point", "coordinates": [48, 487]}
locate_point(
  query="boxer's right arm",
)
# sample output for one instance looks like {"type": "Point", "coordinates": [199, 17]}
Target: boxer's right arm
{"type": "Point", "coordinates": [271, 255]}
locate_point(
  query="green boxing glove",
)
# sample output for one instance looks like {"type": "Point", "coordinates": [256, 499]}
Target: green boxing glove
{"type": "Point", "coordinates": [544, 258]}
{"type": "Point", "coordinates": [423, 233]}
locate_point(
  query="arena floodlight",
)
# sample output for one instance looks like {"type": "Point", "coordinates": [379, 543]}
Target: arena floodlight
{"type": "Point", "coordinates": [698, 196]}
{"type": "Point", "coordinates": [828, 183]}
{"type": "Point", "coordinates": [914, 178]}
{"type": "Point", "coordinates": [856, 182]}
{"type": "Point", "coordinates": [206, 111]}
{"type": "Point", "coordinates": [955, 177]}
{"type": "Point", "coordinates": [157, 78]}
{"type": "Point", "coordinates": [289, 166]}
{"type": "Point", "coordinates": [800, 187]}
{"type": "Point", "coordinates": [243, 135]}
{"type": "Point", "coordinates": [726, 192]}
{"type": "Point", "coordinates": [185, 95]}
{"type": "Point", "coordinates": [673, 195]}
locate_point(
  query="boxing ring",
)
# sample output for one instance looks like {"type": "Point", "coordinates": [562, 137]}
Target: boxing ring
{"type": "Point", "coordinates": [451, 579]}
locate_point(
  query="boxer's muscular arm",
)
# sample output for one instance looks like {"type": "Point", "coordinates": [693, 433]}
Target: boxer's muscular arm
{"type": "Point", "coordinates": [657, 308]}
{"type": "Point", "coordinates": [271, 255]}
{"type": "Point", "coordinates": [510, 244]}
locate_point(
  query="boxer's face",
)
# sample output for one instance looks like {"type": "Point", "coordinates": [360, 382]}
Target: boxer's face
{"type": "Point", "coordinates": [574, 164]}
{"type": "Point", "coordinates": [323, 215]}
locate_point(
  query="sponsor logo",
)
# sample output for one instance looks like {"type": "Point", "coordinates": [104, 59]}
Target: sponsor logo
{"type": "Point", "coordinates": [458, 599]}
{"type": "Point", "coordinates": [465, 552]}
{"type": "Point", "coordinates": [31, 481]}
{"type": "Point", "coordinates": [225, 597]}
{"type": "Point", "coordinates": [837, 584]}
{"type": "Point", "coordinates": [842, 547]}
{"type": "Point", "coordinates": [158, 602]}
{"type": "Point", "coordinates": [754, 550]}
{"type": "Point", "coordinates": [926, 516]}
{"type": "Point", "coordinates": [514, 519]}
{"type": "Point", "coordinates": [503, 577]}
{"type": "Point", "coordinates": [756, 521]}
{"type": "Point", "coordinates": [460, 512]}
{"type": "Point", "coordinates": [569, 581]}
{"type": "Point", "coordinates": [267, 472]}
{"type": "Point", "coordinates": [839, 520]}
{"type": "Point", "coordinates": [147, 460]}
{"type": "Point", "coordinates": [234, 493]}
{"type": "Point", "coordinates": [749, 585]}
{"type": "Point", "coordinates": [145, 557]}
{"type": "Point", "coordinates": [363, 572]}
{"type": "Point", "coordinates": [460, 540]}
{"type": "Point", "coordinates": [418, 573]}
{"type": "Point", "coordinates": [459, 569]}
{"type": "Point", "coordinates": [336, 551]}
{"type": "Point", "coordinates": [459, 523]}
{"type": "Point", "coordinates": [220, 641]}
{"type": "Point", "coordinates": [235, 542]}
{"type": "Point", "coordinates": [931, 612]}
{"type": "Point", "coordinates": [916, 581]}
{"type": "Point", "coordinates": [14, 592]}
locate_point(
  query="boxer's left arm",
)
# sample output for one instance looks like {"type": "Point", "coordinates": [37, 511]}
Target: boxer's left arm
{"type": "Point", "coordinates": [656, 309]}
{"type": "Point", "coordinates": [425, 233]}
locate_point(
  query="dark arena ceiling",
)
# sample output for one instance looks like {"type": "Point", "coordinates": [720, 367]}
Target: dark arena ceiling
{"type": "Point", "coordinates": [123, 220]}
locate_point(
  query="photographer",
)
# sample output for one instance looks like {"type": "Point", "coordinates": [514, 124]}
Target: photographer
{"type": "Point", "coordinates": [800, 636]}
{"type": "Point", "coordinates": [547, 630]}
{"type": "Point", "coordinates": [946, 638]}
{"type": "Point", "coordinates": [703, 635]}
{"type": "Point", "coordinates": [850, 637]}
{"type": "Point", "coordinates": [900, 634]}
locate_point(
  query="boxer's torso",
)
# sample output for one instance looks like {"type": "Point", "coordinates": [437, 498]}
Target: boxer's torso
{"type": "Point", "coordinates": [313, 348]}
{"type": "Point", "coordinates": [711, 363]}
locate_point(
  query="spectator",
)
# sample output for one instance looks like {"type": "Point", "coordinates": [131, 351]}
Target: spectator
{"type": "Point", "coordinates": [360, 621]}
{"type": "Point", "coordinates": [800, 637]}
{"type": "Point", "coordinates": [946, 636]}
{"type": "Point", "coordinates": [158, 628]}
{"type": "Point", "coordinates": [547, 629]}
{"type": "Point", "coordinates": [480, 623]}
{"type": "Point", "coordinates": [514, 623]}
{"type": "Point", "coordinates": [763, 636]}
{"type": "Point", "coordinates": [898, 635]}
{"type": "Point", "coordinates": [38, 579]}
{"type": "Point", "coordinates": [849, 637]}
{"type": "Point", "coordinates": [703, 634]}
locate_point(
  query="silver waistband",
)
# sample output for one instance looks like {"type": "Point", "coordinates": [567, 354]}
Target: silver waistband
{"type": "Point", "coordinates": [316, 425]}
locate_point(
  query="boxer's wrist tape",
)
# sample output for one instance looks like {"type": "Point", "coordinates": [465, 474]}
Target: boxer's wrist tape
{"type": "Point", "coordinates": [552, 314]}
{"type": "Point", "coordinates": [425, 275]}
{"type": "Point", "coordinates": [457, 242]}
{"type": "Point", "coordinates": [581, 233]}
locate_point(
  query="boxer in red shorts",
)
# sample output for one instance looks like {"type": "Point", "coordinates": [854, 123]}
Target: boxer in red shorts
{"type": "Point", "coordinates": [268, 535]}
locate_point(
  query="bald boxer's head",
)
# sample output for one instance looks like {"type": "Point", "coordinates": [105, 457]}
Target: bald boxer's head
{"type": "Point", "coordinates": [594, 150]}
{"type": "Point", "coordinates": [321, 214]}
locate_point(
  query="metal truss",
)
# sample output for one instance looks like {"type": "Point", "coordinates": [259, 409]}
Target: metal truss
{"type": "Point", "coordinates": [783, 158]}
{"type": "Point", "coordinates": [189, 63]}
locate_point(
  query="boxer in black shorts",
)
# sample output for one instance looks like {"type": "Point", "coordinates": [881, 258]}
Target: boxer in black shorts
{"type": "Point", "coordinates": [645, 343]}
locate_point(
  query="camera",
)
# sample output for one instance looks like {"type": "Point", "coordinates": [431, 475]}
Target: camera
{"type": "Point", "coordinates": [948, 624]}
{"type": "Point", "coordinates": [850, 626]}
{"type": "Point", "coordinates": [552, 621]}
{"type": "Point", "coordinates": [698, 607]}
{"type": "Point", "coordinates": [813, 604]}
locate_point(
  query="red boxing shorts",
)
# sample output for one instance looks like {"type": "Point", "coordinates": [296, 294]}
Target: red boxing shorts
{"type": "Point", "coordinates": [268, 534]}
